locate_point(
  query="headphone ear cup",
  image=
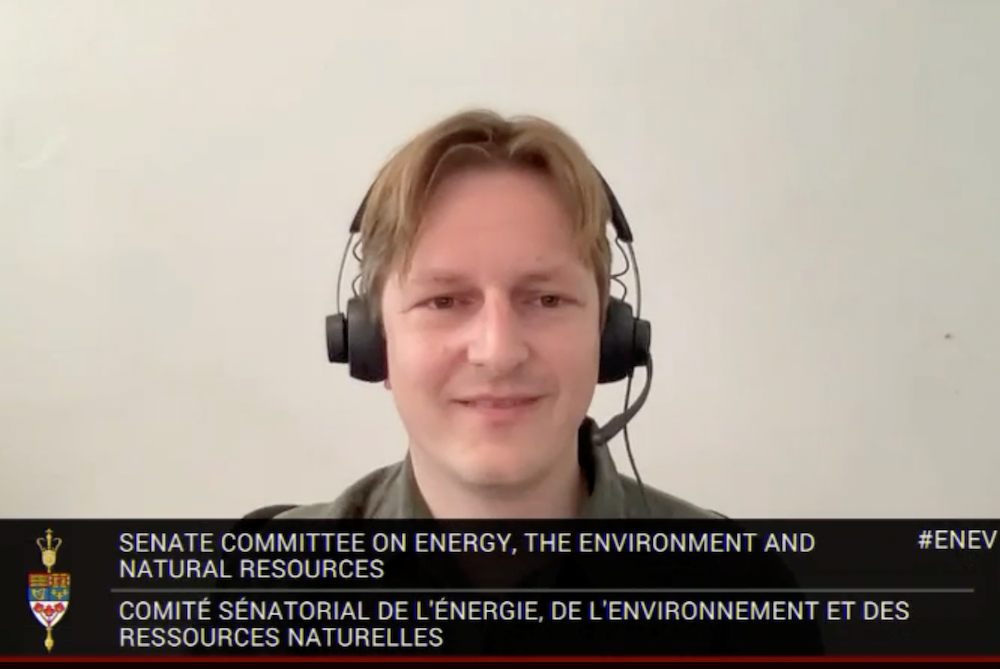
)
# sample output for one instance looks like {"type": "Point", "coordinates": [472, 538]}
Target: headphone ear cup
{"type": "Point", "coordinates": [625, 342]}
{"type": "Point", "coordinates": [336, 338]}
{"type": "Point", "coordinates": [357, 340]}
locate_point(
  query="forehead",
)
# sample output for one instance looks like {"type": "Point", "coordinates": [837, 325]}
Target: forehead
{"type": "Point", "coordinates": [497, 220]}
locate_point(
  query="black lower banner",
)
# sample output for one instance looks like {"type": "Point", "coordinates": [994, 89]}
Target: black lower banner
{"type": "Point", "coordinates": [436, 589]}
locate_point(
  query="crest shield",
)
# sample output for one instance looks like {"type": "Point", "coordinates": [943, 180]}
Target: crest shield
{"type": "Point", "coordinates": [48, 597]}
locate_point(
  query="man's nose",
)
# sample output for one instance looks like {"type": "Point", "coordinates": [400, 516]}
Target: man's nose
{"type": "Point", "coordinates": [498, 339]}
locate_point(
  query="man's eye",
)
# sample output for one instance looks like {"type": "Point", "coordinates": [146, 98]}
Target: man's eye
{"type": "Point", "coordinates": [442, 302]}
{"type": "Point", "coordinates": [550, 301]}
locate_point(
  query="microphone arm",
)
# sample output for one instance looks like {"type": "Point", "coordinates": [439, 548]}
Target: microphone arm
{"type": "Point", "coordinates": [602, 435]}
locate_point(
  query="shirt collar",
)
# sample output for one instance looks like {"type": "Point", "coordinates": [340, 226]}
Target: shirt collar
{"type": "Point", "coordinates": [401, 498]}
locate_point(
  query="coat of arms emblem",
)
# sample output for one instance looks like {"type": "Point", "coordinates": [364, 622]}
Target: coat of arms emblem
{"type": "Point", "coordinates": [48, 591]}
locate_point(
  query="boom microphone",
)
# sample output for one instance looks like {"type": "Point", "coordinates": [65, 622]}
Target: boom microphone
{"type": "Point", "coordinates": [600, 436]}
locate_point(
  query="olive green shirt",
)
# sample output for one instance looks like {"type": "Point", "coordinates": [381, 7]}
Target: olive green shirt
{"type": "Point", "coordinates": [391, 493]}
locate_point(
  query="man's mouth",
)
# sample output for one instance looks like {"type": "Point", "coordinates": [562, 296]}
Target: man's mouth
{"type": "Point", "coordinates": [504, 410]}
{"type": "Point", "coordinates": [499, 402]}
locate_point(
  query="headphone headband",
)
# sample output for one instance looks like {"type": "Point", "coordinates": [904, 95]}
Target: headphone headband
{"type": "Point", "coordinates": [355, 338]}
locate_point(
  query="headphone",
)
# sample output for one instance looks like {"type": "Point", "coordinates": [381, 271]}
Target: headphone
{"type": "Point", "coordinates": [356, 339]}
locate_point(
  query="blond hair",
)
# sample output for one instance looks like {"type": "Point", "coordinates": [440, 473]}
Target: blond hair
{"type": "Point", "coordinates": [400, 194]}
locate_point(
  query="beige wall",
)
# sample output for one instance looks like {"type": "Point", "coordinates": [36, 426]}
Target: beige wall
{"type": "Point", "coordinates": [813, 186]}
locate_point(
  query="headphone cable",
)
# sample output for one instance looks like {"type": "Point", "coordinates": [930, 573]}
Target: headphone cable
{"type": "Point", "coordinates": [628, 386]}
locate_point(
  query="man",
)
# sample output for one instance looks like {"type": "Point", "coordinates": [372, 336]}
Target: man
{"type": "Point", "coordinates": [485, 258]}
{"type": "Point", "coordinates": [485, 262]}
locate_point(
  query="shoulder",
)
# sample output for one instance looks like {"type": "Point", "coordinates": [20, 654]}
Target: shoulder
{"type": "Point", "coordinates": [649, 502]}
{"type": "Point", "coordinates": [365, 498]}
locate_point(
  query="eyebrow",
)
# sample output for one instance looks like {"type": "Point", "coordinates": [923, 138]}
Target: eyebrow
{"type": "Point", "coordinates": [435, 277]}
{"type": "Point", "coordinates": [447, 278]}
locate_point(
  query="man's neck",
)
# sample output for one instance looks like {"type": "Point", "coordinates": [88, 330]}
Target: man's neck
{"type": "Point", "coordinates": [558, 495]}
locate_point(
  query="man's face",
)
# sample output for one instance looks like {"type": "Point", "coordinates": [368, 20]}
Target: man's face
{"type": "Point", "coordinates": [493, 334]}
